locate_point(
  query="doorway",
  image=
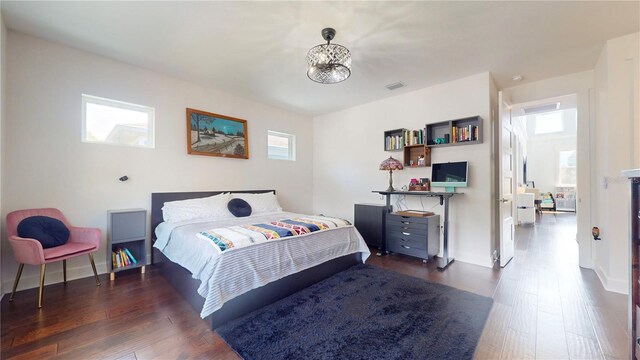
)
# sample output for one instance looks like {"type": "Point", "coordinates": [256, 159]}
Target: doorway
{"type": "Point", "coordinates": [545, 165]}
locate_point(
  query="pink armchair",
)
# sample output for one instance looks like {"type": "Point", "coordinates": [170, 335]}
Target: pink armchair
{"type": "Point", "coordinates": [29, 251]}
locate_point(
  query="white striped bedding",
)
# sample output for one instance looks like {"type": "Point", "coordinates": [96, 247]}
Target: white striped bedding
{"type": "Point", "coordinates": [226, 275]}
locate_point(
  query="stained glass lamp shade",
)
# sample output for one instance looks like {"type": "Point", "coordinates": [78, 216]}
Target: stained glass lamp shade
{"type": "Point", "coordinates": [329, 63]}
{"type": "Point", "coordinates": [391, 164]}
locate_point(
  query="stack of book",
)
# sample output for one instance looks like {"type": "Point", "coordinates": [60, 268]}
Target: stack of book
{"type": "Point", "coordinates": [413, 137]}
{"type": "Point", "coordinates": [464, 133]}
{"type": "Point", "coordinates": [393, 142]}
{"type": "Point", "coordinates": [122, 258]}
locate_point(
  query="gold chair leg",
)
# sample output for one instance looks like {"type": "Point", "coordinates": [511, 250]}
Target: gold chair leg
{"type": "Point", "coordinates": [42, 267]}
{"type": "Point", "coordinates": [93, 266]}
{"type": "Point", "coordinates": [64, 270]}
{"type": "Point", "coordinates": [15, 283]}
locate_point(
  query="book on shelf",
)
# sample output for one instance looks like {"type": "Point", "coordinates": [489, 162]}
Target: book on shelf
{"type": "Point", "coordinates": [130, 256]}
{"type": "Point", "coordinates": [122, 257]}
{"type": "Point", "coordinates": [394, 142]}
{"type": "Point", "coordinates": [413, 137]}
{"type": "Point", "coordinates": [464, 133]}
{"type": "Point", "coordinates": [408, 138]}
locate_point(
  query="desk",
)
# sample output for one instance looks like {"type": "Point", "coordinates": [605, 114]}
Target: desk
{"type": "Point", "coordinates": [444, 201]}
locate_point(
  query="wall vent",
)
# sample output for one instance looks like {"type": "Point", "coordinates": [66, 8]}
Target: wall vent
{"type": "Point", "coordinates": [541, 108]}
{"type": "Point", "coordinates": [394, 86]}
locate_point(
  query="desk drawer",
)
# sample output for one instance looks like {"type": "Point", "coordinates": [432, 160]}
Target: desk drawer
{"type": "Point", "coordinates": [407, 250]}
{"type": "Point", "coordinates": [412, 241]}
{"type": "Point", "coordinates": [407, 231]}
{"type": "Point", "coordinates": [407, 219]}
{"type": "Point", "coordinates": [407, 224]}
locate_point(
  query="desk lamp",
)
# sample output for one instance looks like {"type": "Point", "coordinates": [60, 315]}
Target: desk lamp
{"type": "Point", "coordinates": [391, 164]}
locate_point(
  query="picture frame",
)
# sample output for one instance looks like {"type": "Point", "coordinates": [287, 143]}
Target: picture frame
{"type": "Point", "coordinates": [213, 134]}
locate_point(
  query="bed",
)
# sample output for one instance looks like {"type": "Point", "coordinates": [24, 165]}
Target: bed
{"type": "Point", "coordinates": [221, 301]}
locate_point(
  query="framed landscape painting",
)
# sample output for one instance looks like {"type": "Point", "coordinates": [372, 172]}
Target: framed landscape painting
{"type": "Point", "coordinates": [216, 135]}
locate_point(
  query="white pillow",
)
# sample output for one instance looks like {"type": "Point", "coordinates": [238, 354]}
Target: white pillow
{"type": "Point", "coordinates": [213, 207]}
{"type": "Point", "coordinates": [260, 203]}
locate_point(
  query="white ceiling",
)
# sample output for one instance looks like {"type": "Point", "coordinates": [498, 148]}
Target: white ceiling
{"type": "Point", "coordinates": [257, 49]}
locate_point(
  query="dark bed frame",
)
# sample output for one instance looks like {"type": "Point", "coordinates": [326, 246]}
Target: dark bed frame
{"type": "Point", "coordinates": [180, 278]}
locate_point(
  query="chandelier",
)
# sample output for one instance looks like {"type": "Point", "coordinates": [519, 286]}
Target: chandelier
{"type": "Point", "coordinates": [330, 63]}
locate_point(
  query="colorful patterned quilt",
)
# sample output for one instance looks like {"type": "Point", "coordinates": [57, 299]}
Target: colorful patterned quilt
{"type": "Point", "coordinates": [235, 237]}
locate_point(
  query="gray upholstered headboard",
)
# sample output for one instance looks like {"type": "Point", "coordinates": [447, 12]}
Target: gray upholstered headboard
{"type": "Point", "coordinates": [158, 200]}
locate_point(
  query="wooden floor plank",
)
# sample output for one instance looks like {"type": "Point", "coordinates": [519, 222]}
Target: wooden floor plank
{"type": "Point", "coordinates": [44, 352]}
{"type": "Point", "coordinates": [494, 333]}
{"type": "Point", "coordinates": [495, 330]}
{"type": "Point", "coordinates": [506, 291]}
{"type": "Point", "coordinates": [48, 329]}
{"type": "Point", "coordinates": [551, 342]}
{"type": "Point", "coordinates": [613, 339]}
{"type": "Point", "coordinates": [487, 351]}
{"type": "Point", "coordinates": [575, 315]}
{"type": "Point", "coordinates": [129, 356]}
{"type": "Point", "coordinates": [525, 313]}
{"type": "Point", "coordinates": [583, 348]}
{"type": "Point", "coordinates": [549, 299]}
{"type": "Point", "coordinates": [519, 345]}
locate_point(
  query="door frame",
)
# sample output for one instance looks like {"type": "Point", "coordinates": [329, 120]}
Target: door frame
{"type": "Point", "coordinates": [585, 106]}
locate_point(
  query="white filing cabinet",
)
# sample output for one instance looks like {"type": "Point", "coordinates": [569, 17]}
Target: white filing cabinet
{"type": "Point", "coordinates": [526, 209]}
{"type": "Point", "coordinates": [566, 198]}
{"type": "Point", "coordinates": [566, 204]}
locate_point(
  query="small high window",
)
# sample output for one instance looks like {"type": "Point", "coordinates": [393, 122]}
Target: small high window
{"type": "Point", "coordinates": [281, 146]}
{"type": "Point", "coordinates": [115, 122]}
{"type": "Point", "coordinates": [549, 123]}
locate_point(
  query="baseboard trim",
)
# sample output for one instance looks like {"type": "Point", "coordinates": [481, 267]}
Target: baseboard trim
{"type": "Point", "coordinates": [473, 260]}
{"type": "Point", "coordinates": [614, 285]}
{"type": "Point", "coordinates": [52, 277]}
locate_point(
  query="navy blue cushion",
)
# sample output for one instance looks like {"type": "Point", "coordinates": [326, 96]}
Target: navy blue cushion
{"type": "Point", "coordinates": [49, 231]}
{"type": "Point", "coordinates": [239, 208]}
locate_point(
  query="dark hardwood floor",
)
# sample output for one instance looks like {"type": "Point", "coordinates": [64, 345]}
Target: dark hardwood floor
{"type": "Point", "coordinates": [545, 307]}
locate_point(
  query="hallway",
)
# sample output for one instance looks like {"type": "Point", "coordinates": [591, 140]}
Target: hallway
{"type": "Point", "coordinates": [546, 307]}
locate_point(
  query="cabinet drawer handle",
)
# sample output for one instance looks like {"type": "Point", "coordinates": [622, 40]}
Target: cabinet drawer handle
{"type": "Point", "coordinates": [405, 222]}
{"type": "Point", "coordinates": [405, 246]}
{"type": "Point", "coordinates": [403, 239]}
{"type": "Point", "coordinates": [405, 217]}
{"type": "Point", "coordinates": [406, 233]}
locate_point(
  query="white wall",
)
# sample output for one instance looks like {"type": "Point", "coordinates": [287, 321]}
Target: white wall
{"type": "Point", "coordinates": [616, 146]}
{"type": "Point", "coordinates": [348, 148]}
{"type": "Point", "coordinates": [50, 166]}
{"type": "Point", "coordinates": [542, 161]}
{"type": "Point", "coordinates": [580, 84]}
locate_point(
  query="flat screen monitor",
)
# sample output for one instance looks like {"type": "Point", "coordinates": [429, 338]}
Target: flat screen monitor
{"type": "Point", "coordinates": [449, 175]}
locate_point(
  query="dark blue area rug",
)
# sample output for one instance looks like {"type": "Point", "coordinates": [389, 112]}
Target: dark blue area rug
{"type": "Point", "coordinates": [364, 312]}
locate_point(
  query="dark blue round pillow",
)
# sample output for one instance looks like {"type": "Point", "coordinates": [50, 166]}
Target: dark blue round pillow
{"type": "Point", "coordinates": [239, 207]}
{"type": "Point", "coordinates": [48, 231]}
